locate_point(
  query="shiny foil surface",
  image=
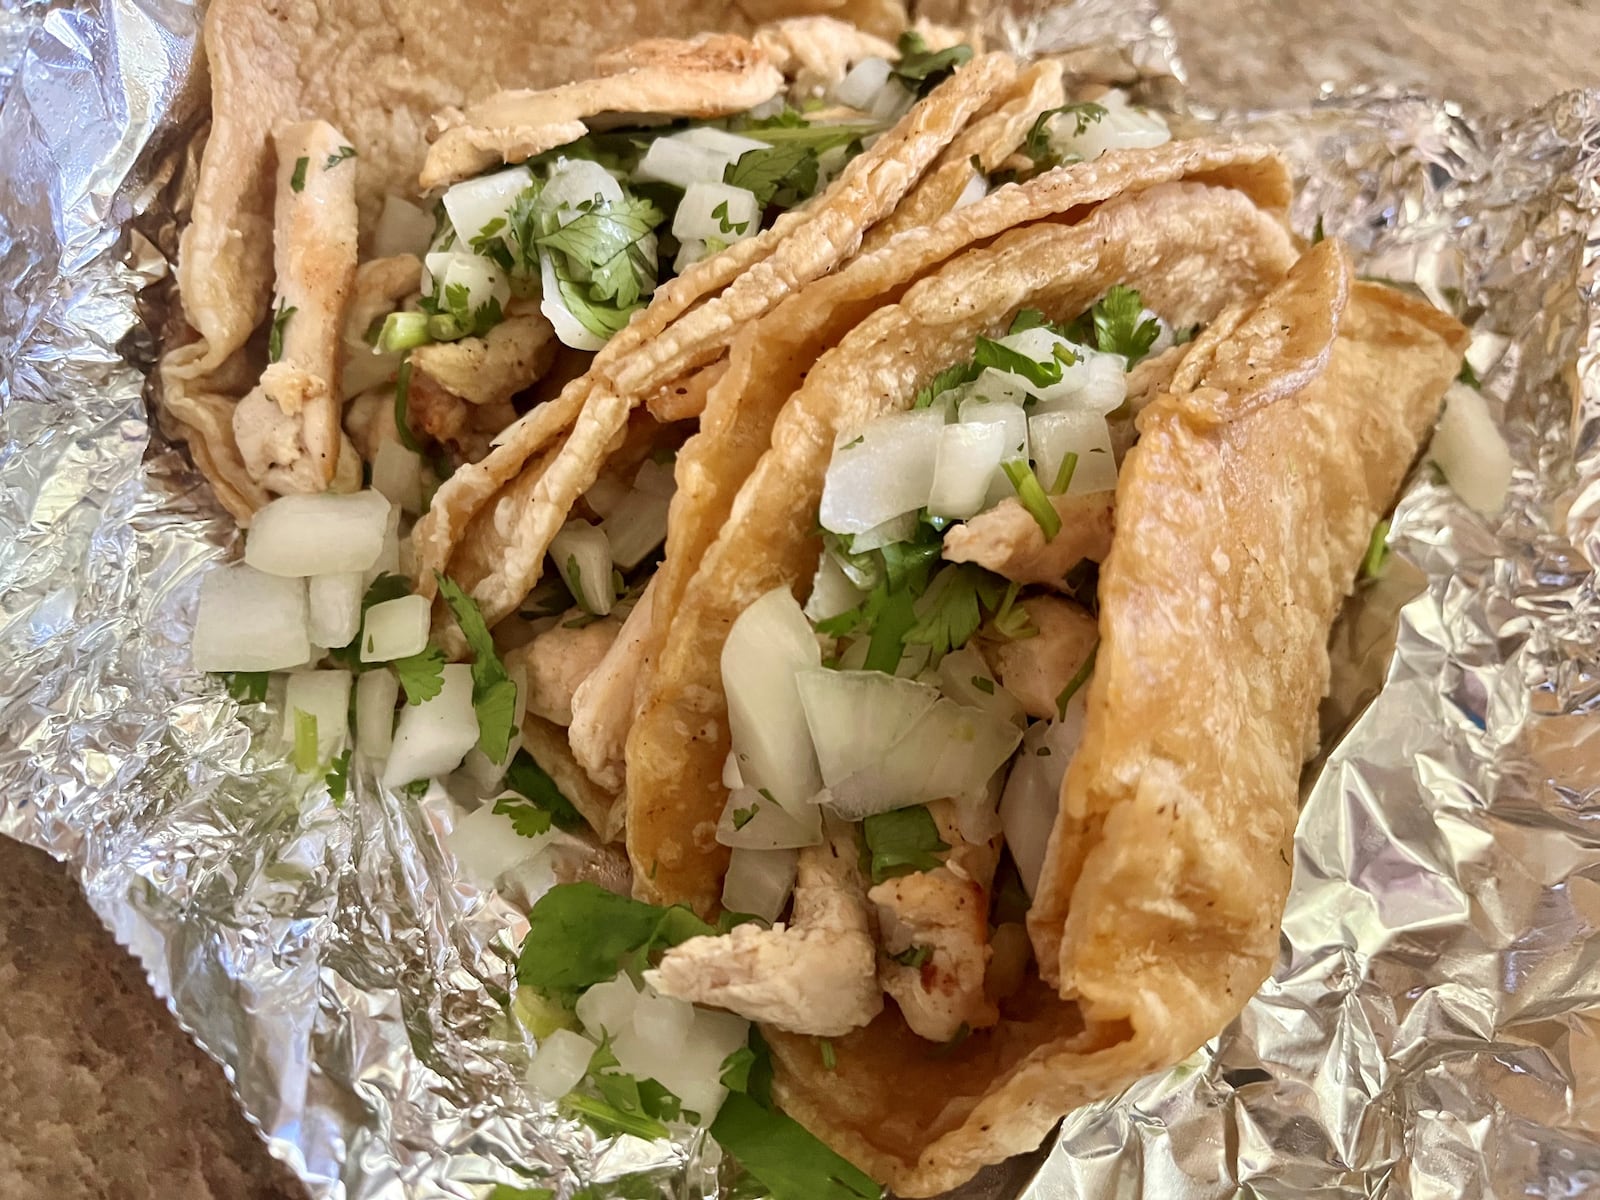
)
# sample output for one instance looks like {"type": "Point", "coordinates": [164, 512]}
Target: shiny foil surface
{"type": "Point", "coordinates": [1431, 1029]}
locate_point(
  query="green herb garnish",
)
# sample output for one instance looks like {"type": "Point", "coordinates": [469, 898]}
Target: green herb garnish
{"type": "Point", "coordinates": [913, 956]}
{"type": "Point", "coordinates": [280, 318]}
{"type": "Point", "coordinates": [921, 69]}
{"type": "Point", "coordinates": [1079, 678]}
{"type": "Point", "coordinates": [900, 842]}
{"type": "Point", "coordinates": [305, 756]}
{"type": "Point", "coordinates": [297, 181]}
{"type": "Point", "coordinates": [539, 802]}
{"type": "Point", "coordinates": [247, 687]}
{"type": "Point", "coordinates": [1032, 496]}
{"type": "Point", "coordinates": [494, 696]}
{"type": "Point", "coordinates": [337, 157]}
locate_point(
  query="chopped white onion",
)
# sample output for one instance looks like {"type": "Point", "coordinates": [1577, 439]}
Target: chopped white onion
{"type": "Point", "coordinates": [731, 779]}
{"type": "Point", "coordinates": [977, 188]}
{"type": "Point", "coordinates": [606, 1009]}
{"type": "Point", "coordinates": [965, 677]}
{"type": "Point", "coordinates": [895, 529]}
{"type": "Point", "coordinates": [395, 629]}
{"type": "Point", "coordinates": [483, 280]}
{"type": "Point", "coordinates": [881, 471]}
{"type": "Point", "coordinates": [1033, 791]}
{"type": "Point", "coordinates": [402, 228]}
{"type": "Point", "coordinates": [672, 160]}
{"type": "Point", "coordinates": [1121, 128]}
{"type": "Point", "coordinates": [250, 621]}
{"type": "Point", "coordinates": [968, 458]}
{"type": "Point", "coordinates": [388, 560]}
{"type": "Point", "coordinates": [690, 251]}
{"type": "Point", "coordinates": [335, 607]}
{"type": "Point", "coordinates": [1471, 451]}
{"type": "Point", "coordinates": [730, 145]}
{"type": "Point", "coordinates": [317, 534]}
{"type": "Point", "coordinates": [999, 387]}
{"type": "Point", "coordinates": [325, 697]}
{"type": "Point", "coordinates": [474, 203]}
{"type": "Point", "coordinates": [397, 476]}
{"type": "Point", "coordinates": [560, 1064]}
{"type": "Point", "coordinates": [604, 494]}
{"type": "Point", "coordinates": [832, 592]}
{"type": "Point", "coordinates": [433, 737]}
{"type": "Point", "coordinates": [486, 845]}
{"type": "Point", "coordinates": [583, 556]}
{"type": "Point", "coordinates": [752, 821]}
{"type": "Point", "coordinates": [769, 642]}
{"type": "Point", "coordinates": [893, 101]}
{"type": "Point", "coordinates": [717, 210]}
{"type": "Point", "coordinates": [364, 369]}
{"type": "Point", "coordinates": [574, 182]}
{"type": "Point", "coordinates": [758, 882]}
{"type": "Point", "coordinates": [862, 83]}
{"type": "Point", "coordinates": [1056, 434]}
{"type": "Point", "coordinates": [689, 1068]}
{"type": "Point", "coordinates": [569, 330]}
{"type": "Point", "coordinates": [952, 751]}
{"type": "Point", "coordinates": [662, 1020]}
{"type": "Point", "coordinates": [376, 695]}
{"type": "Point", "coordinates": [857, 717]}
{"type": "Point", "coordinates": [635, 528]}
{"type": "Point", "coordinates": [656, 479]}
{"type": "Point", "coordinates": [1011, 418]}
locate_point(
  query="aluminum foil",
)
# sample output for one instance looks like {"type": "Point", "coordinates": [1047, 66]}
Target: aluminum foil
{"type": "Point", "coordinates": [1432, 1027]}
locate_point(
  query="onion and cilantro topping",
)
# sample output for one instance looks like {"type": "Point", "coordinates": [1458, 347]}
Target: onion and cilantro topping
{"type": "Point", "coordinates": [1083, 131]}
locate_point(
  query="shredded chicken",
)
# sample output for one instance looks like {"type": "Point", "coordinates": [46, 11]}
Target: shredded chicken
{"type": "Point", "coordinates": [559, 660]}
{"type": "Point", "coordinates": [815, 52]}
{"type": "Point", "coordinates": [492, 369]}
{"type": "Point", "coordinates": [817, 975]}
{"type": "Point", "coordinates": [940, 919]}
{"type": "Point", "coordinates": [468, 429]}
{"type": "Point", "coordinates": [369, 420]}
{"type": "Point", "coordinates": [287, 428]}
{"type": "Point", "coordinates": [1036, 669]}
{"type": "Point", "coordinates": [1008, 541]}
{"type": "Point", "coordinates": [602, 706]}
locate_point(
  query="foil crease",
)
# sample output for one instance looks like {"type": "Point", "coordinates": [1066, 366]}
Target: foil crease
{"type": "Point", "coordinates": [1431, 1028]}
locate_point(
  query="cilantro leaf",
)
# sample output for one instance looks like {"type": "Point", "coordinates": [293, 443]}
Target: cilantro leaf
{"type": "Point", "coordinates": [1377, 555]}
{"type": "Point", "coordinates": [725, 223]}
{"type": "Point", "coordinates": [247, 687]}
{"type": "Point", "coordinates": [1011, 620]}
{"type": "Point", "coordinates": [1117, 327]}
{"type": "Point", "coordinates": [819, 138]}
{"type": "Point", "coordinates": [1032, 497]}
{"type": "Point", "coordinates": [539, 794]}
{"type": "Point", "coordinates": [945, 380]}
{"type": "Point", "coordinates": [338, 778]}
{"type": "Point", "coordinates": [990, 353]}
{"type": "Point", "coordinates": [421, 674]}
{"type": "Point", "coordinates": [297, 181]}
{"type": "Point", "coordinates": [789, 171]}
{"type": "Point", "coordinates": [606, 241]}
{"type": "Point", "coordinates": [955, 605]}
{"type": "Point", "coordinates": [579, 933]}
{"type": "Point", "coordinates": [784, 1157]}
{"type": "Point", "coordinates": [1037, 145]}
{"type": "Point", "coordinates": [921, 69]}
{"type": "Point", "coordinates": [608, 1117]}
{"type": "Point", "coordinates": [338, 156]}
{"type": "Point", "coordinates": [913, 956]}
{"type": "Point", "coordinates": [494, 696]}
{"type": "Point", "coordinates": [280, 318]}
{"type": "Point", "coordinates": [1079, 678]}
{"type": "Point", "coordinates": [1028, 318]}
{"type": "Point", "coordinates": [1468, 376]}
{"type": "Point", "coordinates": [743, 816]}
{"type": "Point", "coordinates": [902, 841]}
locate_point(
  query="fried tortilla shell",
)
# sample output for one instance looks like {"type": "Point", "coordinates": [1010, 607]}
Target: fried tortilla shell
{"type": "Point", "coordinates": [1240, 530]}
{"type": "Point", "coordinates": [1161, 241]}
{"type": "Point", "coordinates": [657, 348]}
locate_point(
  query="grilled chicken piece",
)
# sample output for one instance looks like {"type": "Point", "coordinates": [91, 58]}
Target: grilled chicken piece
{"type": "Point", "coordinates": [287, 428]}
{"type": "Point", "coordinates": [1036, 669]}
{"type": "Point", "coordinates": [489, 370]}
{"type": "Point", "coordinates": [602, 706]}
{"type": "Point", "coordinates": [817, 975]}
{"type": "Point", "coordinates": [1008, 541]}
{"type": "Point", "coordinates": [559, 660]}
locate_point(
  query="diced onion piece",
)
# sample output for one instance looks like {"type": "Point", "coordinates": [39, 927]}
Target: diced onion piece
{"type": "Point", "coordinates": [1097, 382]}
{"type": "Point", "coordinates": [325, 697]}
{"type": "Point", "coordinates": [767, 645]}
{"type": "Point", "coordinates": [335, 607]}
{"type": "Point", "coordinates": [475, 203]}
{"type": "Point", "coordinates": [1122, 128]}
{"type": "Point", "coordinates": [881, 471]}
{"type": "Point", "coordinates": [569, 330]}
{"type": "Point", "coordinates": [717, 210]}
{"type": "Point", "coordinates": [604, 494]}
{"type": "Point", "coordinates": [575, 182]}
{"type": "Point", "coordinates": [1010, 417]}
{"type": "Point", "coordinates": [895, 529]}
{"type": "Point", "coordinates": [977, 188]}
{"type": "Point", "coordinates": [953, 751]}
{"type": "Point", "coordinates": [690, 251]}
{"type": "Point", "coordinates": [862, 83]}
{"type": "Point", "coordinates": [758, 882]}
{"type": "Point", "coordinates": [968, 459]}
{"type": "Point", "coordinates": [752, 821]}
{"type": "Point", "coordinates": [583, 556]}
{"type": "Point", "coordinates": [397, 476]}
{"type": "Point", "coordinates": [483, 280]}
{"type": "Point", "coordinates": [1057, 434]}
{"type": "Point", "coordinates": [433, 737]}
{"type": "Point", "coordinates": [656, 479]}
{"type": "Point", "coordinates": [560, 1063]}
{"type": "Point", "coordinates": [366, 367]}
{"type": "Point", "coordinates": [731, 779]}
{"type": "Point", "coordinates": [892, 102]}
{"type": "Point", "coordinates": [395, 629]}
{"type": "Point", "coordinates": [672, 160]}
{"type": "Point", "coordinates": [690, 1068]}
{"type": "Point", "coordinates": [662, 1020]}
{"type": "Point", "coordinates": [635, 528]}
{"type": "Point", "coordinates": [250, 621]}
{"type": "Point", "coordinates": [402, 228]}
{"type": "Point", "coordinates": [388, 560]}
{"type": "Point", "coordinates": [1471, 451]}
{"type": "Point", "coordinates": [832, 592]}
{"type": "Point", "coordinates": [478, 766]}
{"type": "Point", "coordinates": [965, 677]}
{"type": "Point", "coordinates": [487, 845]}
{"type": "Point", "coordinates": [857, 717]}
{"type": "Point", "coordinates": [317, 535]}
{"type": "Point", "coordinates": [1000, 387]}
{"type": "Point", "coordinates": [606, 1009]}
{"type": "Point", "coordinates": [376, 694]}
{"type": "Point", "coordinates": [1033, 791]}
{"type": "Point", "coordinates": [730, 145]}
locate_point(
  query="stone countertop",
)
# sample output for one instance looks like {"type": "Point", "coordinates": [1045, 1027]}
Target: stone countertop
{"type": "Point", "coordinates": [102, 1095]}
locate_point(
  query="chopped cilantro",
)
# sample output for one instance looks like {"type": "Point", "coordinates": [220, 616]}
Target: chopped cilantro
{"type": "Point", "coordinates": [421, 674]}
{"type": "Point", "coordinates": [247, 687]}
{"type": "Point", "coordinates": [736, 1069]}
{"type": "Point", "coordinates": [784, 175]}
{"type": "Point", "coordinates": [946, 380]}
{"type": "Point", "coordinates": [990, 353]}
{"type": "Point", "coordinates": [297, 181]}
{"type": "Point", "coordinates": [1063, 480]}
{"type": "Point", "coordinates": [1028, 318]}
{"type": "Point", "coordinates": [784, 1157]}
{"type": "Point", "coordinates": [922, 69]}
{"type": "Point", "coordinates": [901, 841]}
{"type": "Point", "coordinates": [1317, 232]}
{"type": "Point", "coordinates": [1079, 678]}
{"type": "Point", "coordinates": [338, 156]}
{"type": "Point", "coordinates": [743, 816]}
{"type": "Point", "coordinates": [724, 223]}
{"type": "Point", "coordinates": [1468, 376]}
{"type": "Point", "coordinates": [402, 402]}
{"type": "Point", "coordinates": [1377, 555]}
{"type": "Point", "coordinates": [983, 684]}
{"type": "Point", "coordinates": [539, 802]}
{"type": "Point", "coordinates": [1032, 496]}
{"type": "Point", "coordinates": [1011, 620]}
{"type": "Point", "coordinates": [1037, 145]}
{"type": "Point", "coordinates": [579, 934]}
{"type": "Point", "coordinates": [338, 778]}
{"type": "Point", "coordinates": [506, 1191]}
{"type": "Point", "coordinates": [913, 956]}
{"type": "Point", "coordinates": [829, 1059]}
{"type": "Point", "coordinates": [494, 696]}
{"type": "Point", "coordinates": [954, 608]}
{"type": "Point", "coordinates": [1118, 328]}
{"type": "Point", "coordinates": [280, 318]}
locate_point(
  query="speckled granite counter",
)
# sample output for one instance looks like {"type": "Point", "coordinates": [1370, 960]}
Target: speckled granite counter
{"type": "Point", "coordinates": [101, 1095]}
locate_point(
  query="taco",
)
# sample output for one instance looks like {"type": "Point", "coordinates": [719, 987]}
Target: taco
{"type": "Point", "coordinates": [1182, 689]}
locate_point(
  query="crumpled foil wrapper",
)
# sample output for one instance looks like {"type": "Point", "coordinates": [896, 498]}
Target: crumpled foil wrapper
{"type": "Point", "coordinates": [1433, 1025]}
